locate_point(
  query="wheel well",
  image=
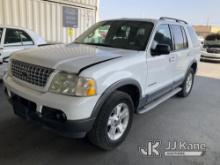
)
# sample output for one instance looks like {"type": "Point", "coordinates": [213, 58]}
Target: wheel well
{"type": "Point", "coordinates": [194, 67]}
{"type": "Point", "coordinates": [133, 92]}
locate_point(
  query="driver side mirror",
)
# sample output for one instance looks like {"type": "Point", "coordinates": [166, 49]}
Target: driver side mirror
{"type": "Point", "coordinates": [161, 49]}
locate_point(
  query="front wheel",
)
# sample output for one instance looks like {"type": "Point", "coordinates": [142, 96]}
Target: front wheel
{"type": "Point", "coordinates": [187, 84]}
{"type": "Point", "coordinates": [113, 122]}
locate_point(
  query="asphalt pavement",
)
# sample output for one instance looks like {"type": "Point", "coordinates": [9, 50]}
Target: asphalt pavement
{"type": "Point", "coordinates": [195, 119]}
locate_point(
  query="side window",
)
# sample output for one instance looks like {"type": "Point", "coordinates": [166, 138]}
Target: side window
{"type": "Point", "coordinates": [12, 37]}
{"type": "Point", "coordinates": [178, 37]}
{"type": "Point", "coordinates": [193, 36]}
{"type": "Point", "coordinates": [163, 36]}
{"type": "Point", "coordinates": [15, 37]}
{"type": "Point", "coordinates": [25, 38]}
{"type": "Point", "coordinates": [1, 32]}
{"type": "Point", "coordinates": [185, 43]}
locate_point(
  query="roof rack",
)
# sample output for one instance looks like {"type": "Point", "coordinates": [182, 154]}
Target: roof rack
{"type": "Point", "coordinates": [174, 19]}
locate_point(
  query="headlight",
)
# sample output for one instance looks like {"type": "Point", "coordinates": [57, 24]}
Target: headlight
{"type": "Point", "coordinates": [71, 84]}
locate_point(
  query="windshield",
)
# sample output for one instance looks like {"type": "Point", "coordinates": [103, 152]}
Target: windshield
{"type": "Point", "coordinates": [132, 35]}
{"type": "Point", "coordinates": [1, 31]}
{"type": "Point", "coordinates": [213, 39]}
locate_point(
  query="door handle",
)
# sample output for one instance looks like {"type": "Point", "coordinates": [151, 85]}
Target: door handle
{"type": "Point", "coordinates": [172, 59]}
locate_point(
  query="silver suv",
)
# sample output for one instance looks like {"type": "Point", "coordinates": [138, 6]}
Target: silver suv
{"type": "Point", "coordinates": [94, 85]}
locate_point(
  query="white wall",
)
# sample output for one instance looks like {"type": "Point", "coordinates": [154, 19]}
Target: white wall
{"type": "Point", "coordinates": [45, 17]}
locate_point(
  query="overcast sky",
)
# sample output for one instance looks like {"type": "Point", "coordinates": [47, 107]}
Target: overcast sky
{"type": "Point", "coordinates": [194, 11]}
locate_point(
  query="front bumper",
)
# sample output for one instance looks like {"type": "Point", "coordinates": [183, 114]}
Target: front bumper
{"type": "Point", "coordinates": [210, 56]}
{"type": "Point", "coordinates": [51, 119]}
{"type": "Point", "coordinates": [75, 108]}
{"type": "Point", "coordinates": [43, 108]}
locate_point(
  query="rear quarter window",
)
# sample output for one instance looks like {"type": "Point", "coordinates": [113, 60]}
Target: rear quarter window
{"type": "Point", "coordinates": [193, 36]}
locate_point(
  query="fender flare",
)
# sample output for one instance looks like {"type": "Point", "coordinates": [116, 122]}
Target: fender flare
{"type": "Point", "coordinates": [190, 65]}
{"type": "Point", "coordinates": [110, 90]}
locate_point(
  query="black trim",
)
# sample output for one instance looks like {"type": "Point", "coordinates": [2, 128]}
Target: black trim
{"type": "Point", "coordinates": [4, 59]}
{"type": "Point", "coordinates": [185, 38]}
{"type": "Point", "coordinates": [159, 93]}
{"type": "Point", "coordinates": [172, 36]}
{"type": "Point", "coordinates": [178, 83]}
{"type": "Point", "coordinates": [110, 90]}
{"type": "Point", "coordinates": [88, 66]}
{"type": "Point", "coordinates": [193, 62]}
{"type": "Point", "coordinates": [154, 96]}
{"type": "Point", "coordinates": [69, 128]}
{"type": "Point", "coordinates": [48, 44]}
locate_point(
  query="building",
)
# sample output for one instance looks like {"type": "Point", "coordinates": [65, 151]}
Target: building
{"type": "Point", "coordinates": [203, 30]}
{"type": "Point", "coordinates": [54, 20]}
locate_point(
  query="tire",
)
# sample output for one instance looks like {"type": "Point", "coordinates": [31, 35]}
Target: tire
{"type": "Point", "coordinates": [102, 131]}
{"type": "Point", "coordinates": [186, 87]}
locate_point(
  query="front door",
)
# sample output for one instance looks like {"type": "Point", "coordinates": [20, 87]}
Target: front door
{"type": "Point", "coordinates": [14, 40]}
{"type": "Point", "coordinates": [160, 67]}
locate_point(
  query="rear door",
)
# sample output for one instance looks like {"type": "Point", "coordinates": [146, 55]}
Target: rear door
{"type": "Point", "coordinates": [181, 49]}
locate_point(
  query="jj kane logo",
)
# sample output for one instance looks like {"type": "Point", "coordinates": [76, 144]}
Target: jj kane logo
{"type": "Point", "coordinates": [173, 148]}
{"type": "Point", "coordinates": [151, 149]}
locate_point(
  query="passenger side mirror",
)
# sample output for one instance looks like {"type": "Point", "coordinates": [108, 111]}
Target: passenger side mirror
{"type": "Point", "coordinates": [161, 49]}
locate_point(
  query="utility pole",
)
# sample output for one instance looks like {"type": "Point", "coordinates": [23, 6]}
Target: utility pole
{"type": "Point", "coordinates": [208, 21]}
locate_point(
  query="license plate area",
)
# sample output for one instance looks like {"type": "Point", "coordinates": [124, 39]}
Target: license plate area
{"type": "Point", "coordinates": [22, 107]}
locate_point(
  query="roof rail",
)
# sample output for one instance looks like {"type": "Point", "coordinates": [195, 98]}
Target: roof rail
{"type": "Point", "coordinates": [174, 19]}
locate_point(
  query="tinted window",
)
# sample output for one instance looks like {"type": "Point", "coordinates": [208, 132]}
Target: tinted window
{"type": "Point", "coordinates": [98, 36]}
{"type": "Point", "coordinates": [163, 36]}
{"type": "Point", "coordinates": [25, 38]}
{"type": "Point", "coordinates": [17, 37]}
{"type": "Point", "coordinates": [178, 37]}
{"type": "Point", "coordinates": [193, 36]}
{"type": "Point", "coordinates": [132, 35]}
{"type": "Point", "coordinates": [185, 44]}
{"type": "Point", "coordinates": [1, 31]}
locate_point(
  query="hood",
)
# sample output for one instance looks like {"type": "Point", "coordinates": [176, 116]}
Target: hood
{"type": "Point", "coordinates": [70, 58]}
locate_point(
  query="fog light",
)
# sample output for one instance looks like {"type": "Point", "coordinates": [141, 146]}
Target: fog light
{"type": "Point", "coordinates": [61, 117]}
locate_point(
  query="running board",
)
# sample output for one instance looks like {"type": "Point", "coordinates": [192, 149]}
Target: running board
{"type": "Point", "coordinates": [159, 101]}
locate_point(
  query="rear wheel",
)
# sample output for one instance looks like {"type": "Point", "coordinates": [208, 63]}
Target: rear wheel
{"type": "Point", "coordinates": [113, 122]}
{"type": "Point", "coordinates": [187, 84]}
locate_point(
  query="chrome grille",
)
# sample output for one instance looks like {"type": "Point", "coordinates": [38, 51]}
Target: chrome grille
{"type": "Point", "coordinates": [33, 74]}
